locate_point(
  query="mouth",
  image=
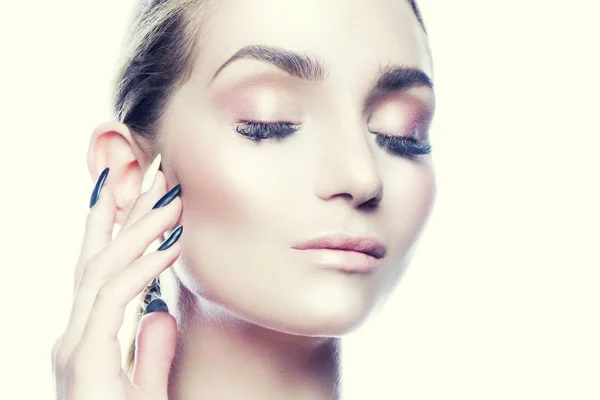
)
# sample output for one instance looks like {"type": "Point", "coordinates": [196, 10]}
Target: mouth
{"type": "Point", "coordinates": [360, 244]}
{"type": "Point", "coordinates": [345, 252]}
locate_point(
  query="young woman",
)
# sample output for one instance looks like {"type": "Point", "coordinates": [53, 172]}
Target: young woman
{"type": "Point", "coordinates": [292, 139]}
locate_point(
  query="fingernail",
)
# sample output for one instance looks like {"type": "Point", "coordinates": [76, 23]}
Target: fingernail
{"type": "Point", "coordinates": [150, 174]}
{"type": "Point", "coordinates": [167, 198]}
{"type": "Point", "coordinates": [99, 183]}
{"type": "Point", "coordinates": [175, 235]}
{"type": "Point", "coordinates": [156, 305]}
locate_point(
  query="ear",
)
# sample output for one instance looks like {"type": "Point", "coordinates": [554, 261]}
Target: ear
{"type": "Point", "coordinates": [112, 145]}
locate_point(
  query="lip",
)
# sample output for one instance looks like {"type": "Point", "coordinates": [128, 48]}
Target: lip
{"type": "Point", "coordinates": [345, 252]}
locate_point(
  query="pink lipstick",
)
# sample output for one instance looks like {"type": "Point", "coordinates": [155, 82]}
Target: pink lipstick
{"type": "Point", "coordinates": [356, 254]}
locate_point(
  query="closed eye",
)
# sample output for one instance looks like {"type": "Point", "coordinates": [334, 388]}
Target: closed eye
{"type": "Point", "coordinates": [260, 130]}
{"type": "Point", "coordinates": [396, 145]}
{"type": "Point", "coordinates": [402, 146]}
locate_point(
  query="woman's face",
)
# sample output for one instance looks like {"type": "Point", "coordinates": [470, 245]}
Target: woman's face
{"type": "Point", "coordinates": [247, 203]}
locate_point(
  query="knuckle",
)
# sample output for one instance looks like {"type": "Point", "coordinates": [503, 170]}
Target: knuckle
{"type": "Point", "coordinates": [89, 269]}
{"type": "Point", "coordinates": [107, 293]}
{"type": "Point", "coordinates": [93, 267]}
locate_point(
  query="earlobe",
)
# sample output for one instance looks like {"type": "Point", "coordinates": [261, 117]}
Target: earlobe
{"type": "Point", "coordinates": [112, 145]}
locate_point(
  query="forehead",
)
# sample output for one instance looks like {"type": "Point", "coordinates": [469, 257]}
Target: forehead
{"type": "Point", "coordinates": [352, 37]}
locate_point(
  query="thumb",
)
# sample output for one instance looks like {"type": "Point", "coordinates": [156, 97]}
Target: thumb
{"type": "Point", "coordinates": [155, 350]}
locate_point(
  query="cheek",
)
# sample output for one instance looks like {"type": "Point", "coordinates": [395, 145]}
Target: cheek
{"type": "Point", "coordinates": [232, 197]}
{"type": "Point", "coordinates": [225, 201]}
{"type": "Point", "coordinates": [221, 190]}
{"type": "Point", "coordinates": [408, 200]}
{"type": "Point", "coordinates": [409, 196]}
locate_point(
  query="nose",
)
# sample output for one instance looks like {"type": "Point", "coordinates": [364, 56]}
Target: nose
{"type": "Point", "coordinates": [349, 170]}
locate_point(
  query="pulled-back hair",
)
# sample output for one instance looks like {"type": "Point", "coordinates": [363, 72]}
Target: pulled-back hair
{"type": "Point", "coordinates": [158, 59]}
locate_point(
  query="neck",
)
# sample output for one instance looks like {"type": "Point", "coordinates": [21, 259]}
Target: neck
{"type": "Point", "coordinates": [220, 356]}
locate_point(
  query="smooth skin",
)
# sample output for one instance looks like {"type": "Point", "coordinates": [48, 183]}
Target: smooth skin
{"type": "Point", "coordinates": [109, 275]}
{"type": "Point", "coordinates": [257, 319]}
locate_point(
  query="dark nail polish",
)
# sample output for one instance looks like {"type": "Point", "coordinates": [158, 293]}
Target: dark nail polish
{"type": "Point", "coordinates": [175, 235]}
{"type": "Point", "coordinates": [156, 305]}
{"type": "Point", "coordinates": [167, 198]}
{"type": "Point", "coordinates": [98, 187]}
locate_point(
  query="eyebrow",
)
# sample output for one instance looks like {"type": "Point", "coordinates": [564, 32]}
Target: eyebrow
{"type": "Point", "coordinates": [295, 64]}
{"type": "Point", "coordinates": [390, 78]}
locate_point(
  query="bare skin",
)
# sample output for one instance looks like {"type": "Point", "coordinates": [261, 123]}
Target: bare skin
{"type": "Point", "coordinates": [255, 318]}
{"type": "Point", "coordinates": [109, 274]}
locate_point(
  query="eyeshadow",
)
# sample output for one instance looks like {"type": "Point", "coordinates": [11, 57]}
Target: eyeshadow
{"type": "Point", "coordinates": [257, 99]}
{"type": "Point", "coordinates": [393, 113]}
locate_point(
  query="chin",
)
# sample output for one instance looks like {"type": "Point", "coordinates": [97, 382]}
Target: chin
{"type": "Point", "coordinates": [307, 301]}
{"type": "Point", "coordinates": [324, 312]}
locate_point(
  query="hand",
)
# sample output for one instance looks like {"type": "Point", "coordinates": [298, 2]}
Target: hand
{"type": "Point", "coordinates": [110, 273]}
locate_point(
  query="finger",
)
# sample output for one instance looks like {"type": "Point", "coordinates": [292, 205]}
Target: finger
{"type": "Point", "coordinates": [101, 219]}
{"type": "Point", "coordinates": [108, 310]}
{"type": "Point", "coordinates": [146, 200]}
{"type": "Point", "coordinates": [154, 186]}
{"type": "Point", "coordinates": [113, 259]}
{"type": "Point", "coordinates": [155, 350]}
{"type": "Point", "coordinates": [130, 244]}
{"type": "Point", "coordinates": [150, 174]}
{"type": "Point", "coordinates": [98, 231]}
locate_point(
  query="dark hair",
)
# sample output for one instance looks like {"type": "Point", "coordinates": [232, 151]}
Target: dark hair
{"type": "Point", "coordinates": [417, 11]}
{"type": "Point", "coordinates": [157, 60]}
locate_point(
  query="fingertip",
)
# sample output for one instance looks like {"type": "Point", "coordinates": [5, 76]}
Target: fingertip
{"type": "Point", "coordinates": [156, 343]}
{"type": "Point", "coordinates": [160, 183]}
{"type": "Point", "coordinates": [104, 208]}
{"type": "Point", "coordinates": [99, 229]}
{"type": "Point", "coordinates": [172, 239]}
{"type": "Point", "coordinates": [156, 305]}
{"type": "Point", "coordinates": [153, 321]}
{"type": "Point", "coordinates": [175, 249]}
{"type": "Point", "coordinates": [157, 331]}
{"type": "Point", "coordinates": [106, 201]}
{"type": "Point", "coordinates": [97, 191]}
{"type": "Point", "coordinates": [156, 190]}
{"type": "Point", "coordinates": [170, 254]}
{"type": "Point", "coordinates": [149, 178]}
{"type": "Point", "coordinates": [108, 195]}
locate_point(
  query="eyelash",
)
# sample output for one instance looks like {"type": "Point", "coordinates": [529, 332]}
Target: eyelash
{"type": "Point", "coordinates": [257, 130]}
{"type": "Point", "coordinates": [400, 146]}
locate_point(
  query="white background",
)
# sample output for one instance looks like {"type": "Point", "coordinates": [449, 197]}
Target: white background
{"type": "Point", "coordinates": [502, 300]}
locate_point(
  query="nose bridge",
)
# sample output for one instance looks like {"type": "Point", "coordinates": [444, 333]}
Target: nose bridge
{"type": "Point", "coordinates": [348, 166]}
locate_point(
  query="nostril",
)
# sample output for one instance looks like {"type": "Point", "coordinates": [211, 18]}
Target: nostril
{"type": "Point", "coordinates": [370, 204]}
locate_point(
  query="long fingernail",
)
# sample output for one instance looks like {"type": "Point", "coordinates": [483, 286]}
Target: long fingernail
{"type": "Point", "coordinates": [175, 235]}
{"type": "Point", "coordinates": [156, 305]}
{"type": "Point", "coordinates": [150, 174]}
{"type": "Point", "coordinates": [99, 183]}
{"type": "Point", "coordinates": [167, 198]}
